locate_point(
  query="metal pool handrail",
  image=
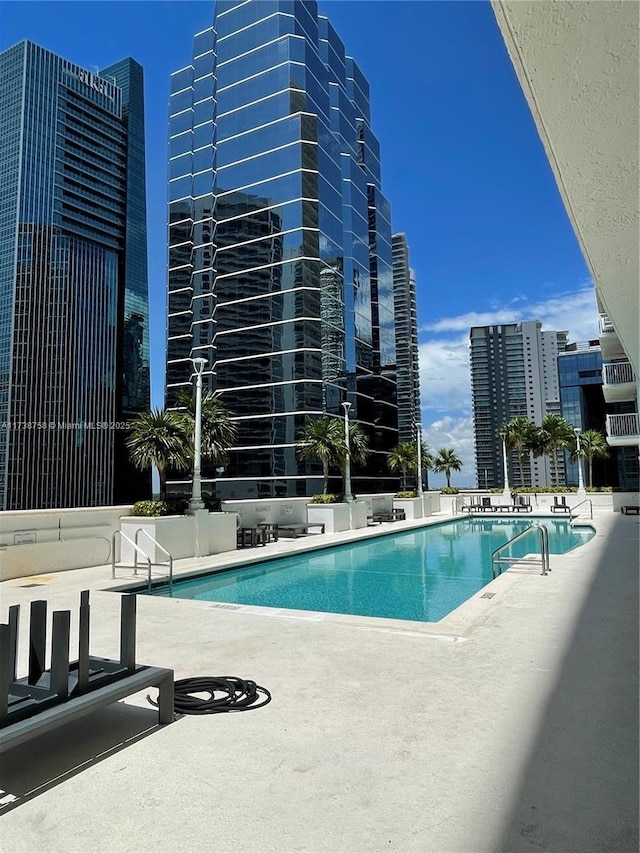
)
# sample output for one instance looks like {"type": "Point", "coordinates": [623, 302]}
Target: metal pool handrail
{"type": "Point", "coordinates": [585, 501]}
{"type": "Point", "coordinates": [164, 551]}
{"type": "Point", "coordinates": [136, 548]}
{"type": "Point", "coordinates": [460, 503]}
{"type": "Point", "coordinates": [544, 550]}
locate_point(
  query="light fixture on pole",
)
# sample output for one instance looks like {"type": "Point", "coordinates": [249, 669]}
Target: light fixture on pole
{"type": "Point", "coordinates": [196, 491]}
{"type": "Point", "coordinates": [419, 432]}
{"type": "Point", "coordinates": [347, 461]}
{"type": "Point", "coordinates": [581, 491]}
{"type": "Point", "coordinates": [506, 493]}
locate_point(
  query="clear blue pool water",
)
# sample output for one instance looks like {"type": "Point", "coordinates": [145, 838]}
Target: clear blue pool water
{"type": "Point", "coordinates": [420, 575]}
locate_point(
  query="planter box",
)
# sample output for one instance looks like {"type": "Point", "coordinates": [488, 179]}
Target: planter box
{"type": "Point", "coordinates": [215, 533]}
{"type": "Point", "coordinates": [174, 532]}
{"type": "Point", "coordinates": [222, 532]}
{"type": "Point", "coordinates": [430, 503]}
{"type": "Point", "coordinates": [338, 517]}
{"type": "Point", "coordinates": [413, 507]}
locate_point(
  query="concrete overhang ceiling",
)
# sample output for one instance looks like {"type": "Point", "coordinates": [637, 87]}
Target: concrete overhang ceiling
{"type": "Point", "coordinates": [578, 65]}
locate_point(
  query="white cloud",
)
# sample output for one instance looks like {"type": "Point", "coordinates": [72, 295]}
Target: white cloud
{"type": "Point", "coordinates": [444, 374]}
{"type": "Point", "coordinates": [455, 433]}
{"type": "Point", "coordinates": [575, 312]}
{"type": "Point", "coordinates": [444, 364]}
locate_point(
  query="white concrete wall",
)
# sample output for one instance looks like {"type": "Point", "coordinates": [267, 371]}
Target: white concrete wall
{"type": "Point", "coordinates": [19, 561]}
{"type": "Point", "coordinates": [413, 507]}
{"type": "Point", "coordinates": [431, 503]}
{"type": "Point", "coordinates": [335, 517]}
{"type": "Point", "coordinates": [56, 540]}
{"type": "Point", "coordinates": [377, 503]}
{"type": "Point", "coordinates": [339, 517]}
{"type": "Point", "coordinates": [59, 525]}
{"type": "Point", "coordinates": [215, 533]}
{"type": "Point", "coordinates": [270, 511]}
{"type": "Point", "coordinates": [175, 533]}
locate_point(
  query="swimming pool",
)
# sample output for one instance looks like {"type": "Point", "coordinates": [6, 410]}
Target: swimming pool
{"type": "Point", "coordinates": [421, 574]}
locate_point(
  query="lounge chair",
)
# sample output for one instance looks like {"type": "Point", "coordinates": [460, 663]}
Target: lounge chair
{"type": "Point", "coordinates": [560, 504]}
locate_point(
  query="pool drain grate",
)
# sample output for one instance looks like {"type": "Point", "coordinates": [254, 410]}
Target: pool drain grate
{"type": "Point", "coordinates": [487, 595]}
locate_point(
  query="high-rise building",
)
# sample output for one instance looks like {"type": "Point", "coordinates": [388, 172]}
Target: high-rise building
{"type": "Point", "coordinates": [74, 331]}
{"type": "Point", "coordinates": [280, 262]}
{"type": "Point", "coordinates": [514, 374]}
{"type": "Point", "coordinates": [407, 363]}
{"type": "Point", "coordinates": [583, 393]}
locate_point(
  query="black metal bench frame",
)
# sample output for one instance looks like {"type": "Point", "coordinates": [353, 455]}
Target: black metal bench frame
{"type": "Point", "coordinates": [295, 529]}
{"type": "Point", "coordinates": [630, 509]}
{"type": "Point", "coordinates": [48, 698]}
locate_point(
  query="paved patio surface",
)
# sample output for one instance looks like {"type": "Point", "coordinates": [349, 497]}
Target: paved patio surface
{"type": "Point", "coordinates": [511, 725]}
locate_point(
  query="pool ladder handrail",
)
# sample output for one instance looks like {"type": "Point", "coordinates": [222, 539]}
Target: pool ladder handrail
{"type": "Point", "coordinates": [573, 517]}
{"type": "Point", "coordinates": [161, 548]}
{"type": "Point", "coordinates": [460, 503]}
{"type": "Point", "coordinates": [544, 550]}
{"type": "Point", "coordinates": [137, 550]}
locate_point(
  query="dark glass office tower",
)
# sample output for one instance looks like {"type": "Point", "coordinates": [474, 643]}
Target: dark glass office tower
{"type": "Point", "coordinates": [583, 405]}
{"type": "Point", "coordinates": [407, 359]}
{"type": "Point", "coordinates": [74, 350]}
{"type": "Point", "coordinates": [280, 267]}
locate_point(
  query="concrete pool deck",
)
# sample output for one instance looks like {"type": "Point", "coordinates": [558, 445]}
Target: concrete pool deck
{"type": "Point", "coordinates": [511, 725]}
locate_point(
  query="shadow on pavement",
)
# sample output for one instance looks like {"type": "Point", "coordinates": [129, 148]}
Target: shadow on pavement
{"type": "Point", "coordinates": [31, 768]}
{"type": "Point", "coordinates": [579, 791]}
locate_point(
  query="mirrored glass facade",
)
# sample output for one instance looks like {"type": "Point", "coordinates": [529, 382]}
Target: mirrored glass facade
{"type": "Point", "coordinates": [407, 363]}
{"type": "Point", "coordinates": [584, 406]}
{"type": "Point", "coordinates": [280, 264]}
{"type": "Point", "coordinates": [74, 351]}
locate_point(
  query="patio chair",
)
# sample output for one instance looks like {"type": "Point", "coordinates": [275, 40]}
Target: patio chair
{"type": "Point", "coordinates": [560, 504]}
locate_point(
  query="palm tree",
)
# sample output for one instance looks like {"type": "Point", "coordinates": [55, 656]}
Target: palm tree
{"type": "Point", "coordinates": [403, 458]}
{"type": "Point", "coordinates": [219, 432]}
{"type": "Point", "coordinates": [518, 435]}
{"type": "Point", "coordinates": [447, 461]}
{"type": "Point", "coordinates": [593, 445]}
{"type": "Point", "coordinates": [358, 447]}
{"type": "Point", "coordinates": [160, 438]}
{"type": "Point", "coordinates": [554, 435]}
{"type": "Point", "coordinates": [323, 439]}
{"type": "Point", "coordinates": [427, 462]}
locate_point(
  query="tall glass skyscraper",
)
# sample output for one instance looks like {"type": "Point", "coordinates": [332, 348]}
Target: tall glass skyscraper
{"type": "Point", "coordinates": [74, 330]}
{"type": "Point", "coordinates": [280, 264]}
{"type": "Point", "coordinates": [406, 317]}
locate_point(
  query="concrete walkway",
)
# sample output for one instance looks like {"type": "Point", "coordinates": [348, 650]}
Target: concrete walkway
{"type": "Point", "coordinates": [511, 725]}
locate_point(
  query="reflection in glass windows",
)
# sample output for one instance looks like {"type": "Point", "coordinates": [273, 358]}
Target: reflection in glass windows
{"type": "Point", "coordinates": [74, 334]}
{"type": "Point", "coordinates": [287, 178]}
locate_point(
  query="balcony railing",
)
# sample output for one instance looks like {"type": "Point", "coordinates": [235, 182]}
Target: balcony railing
{"type": "Point", "coordinates": [617, 373]}
{"type": "Point", "coordinates": [606, 326]}
{"type": "Point", "coordinates": [623, 426]}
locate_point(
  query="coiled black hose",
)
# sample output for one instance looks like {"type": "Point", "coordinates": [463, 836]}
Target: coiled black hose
{"type": "Point", "coordinates": [225, 693]}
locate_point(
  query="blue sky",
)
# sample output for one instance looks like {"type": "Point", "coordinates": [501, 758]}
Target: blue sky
{"type": "Point", "coordinates": [462, 166]}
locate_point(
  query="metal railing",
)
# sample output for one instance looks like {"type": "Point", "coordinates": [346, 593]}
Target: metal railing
{"type": "Point", "coordinates": [572, 515]}
{"type": "Point", "coordinates": [606, 327]}
{"type": "Point", "coordinates": [461, 504]}
{"type": "Point", "coordinates": [496, 557]}
{"type": "Point", "coordinates": [618, 373]}
{"type": "Point", "coordinates": [138, 550]}
{"type": "Point", "coordinates": [160, 547]}
{"type": "Point", "coordinates": [621, 426]}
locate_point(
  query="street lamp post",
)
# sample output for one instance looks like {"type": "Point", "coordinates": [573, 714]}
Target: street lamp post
{"type": "Point", "coordinates": [419, 431]}
{"type": "Point", "coordinates": [347, 462]}
{"type": "Point", "coordinates": [506, 493]}
{"type": "Point", "coordinates": [581, 491]}
{"type": "Point", "coordinates": [196, 490]}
